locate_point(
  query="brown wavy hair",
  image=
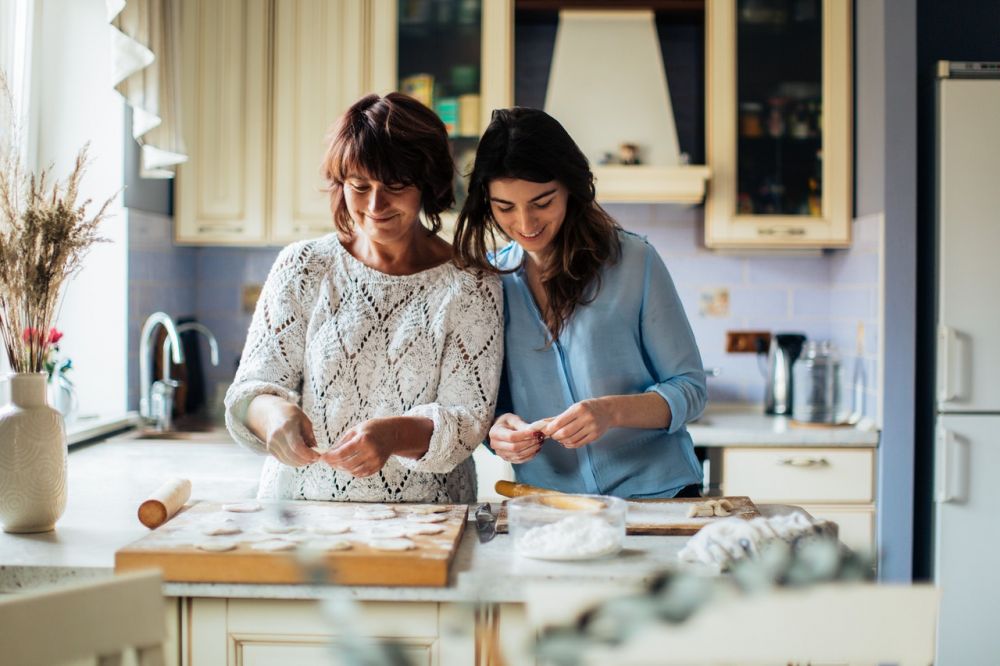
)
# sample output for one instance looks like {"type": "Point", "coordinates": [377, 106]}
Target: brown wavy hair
{"type": "Point", "coordinates": [529, 144]}
{"type": "Point", "coordinates": [393, 139]}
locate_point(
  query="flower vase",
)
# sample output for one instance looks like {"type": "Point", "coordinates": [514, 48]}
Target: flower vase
{"type": "Point", "coordinates": [32, 458]}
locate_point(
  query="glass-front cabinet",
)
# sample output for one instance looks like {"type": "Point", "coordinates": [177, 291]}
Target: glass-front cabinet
{"type": "Point", "coordinates": [778, 75]}
{"type": "Point", "coordinates": [454, 56]}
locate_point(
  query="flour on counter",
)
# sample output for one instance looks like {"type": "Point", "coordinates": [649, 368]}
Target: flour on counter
{"type": "Point", "coordinates": [575, 537]}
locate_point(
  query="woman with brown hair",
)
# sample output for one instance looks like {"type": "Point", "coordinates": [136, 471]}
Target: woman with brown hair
{"type": "Point", "coordinates": [371, 366]}
{"type": "Point", "coordinates": [601, 370]}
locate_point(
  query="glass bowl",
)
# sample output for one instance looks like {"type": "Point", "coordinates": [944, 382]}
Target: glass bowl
{"type": "Point", "coordinates": [566, 527]}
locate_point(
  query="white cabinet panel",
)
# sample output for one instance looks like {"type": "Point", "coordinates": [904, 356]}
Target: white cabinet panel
{"type": "Point", "coordinates": [318, 74]}
{"type": "Point", "coordinates": [221, 189]}
{"type": "Point", "coordinates": [795, 476]}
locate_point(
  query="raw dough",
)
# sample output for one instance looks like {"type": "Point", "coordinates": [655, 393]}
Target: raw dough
{"type": "Point", "coordinates": [427, 517]}
{"type": "Point", "coordinates": [221, 528]}
{"type": "Point", "coordinates": [330, 544]}
{"type": "Point", "coordinates": [417, 530]}
{"type": "Point", "coordinates": [242, 507]}
{"type": "Point", "coordinates": [391, 544]}
{"type": "Point", "coordinates": [274, 545]}
{"type": "Point", "coordinates": [428, 509]}
{"type": "Point", "coordinates": [710, 508]}
{"type": "Point", "coordinates": [215, 546]}
{"type": "Point", "coordinates": [330, 528]}
{"type": "Point", "coordinates": [386, 531]}
{"type": "Point", "coordinates": [371, 513]}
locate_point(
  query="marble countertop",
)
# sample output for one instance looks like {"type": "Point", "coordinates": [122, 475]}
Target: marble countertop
{"type": "Point", "coordinates": [109, 479]}
{"type": "Point", "coordinates": [739, 425]}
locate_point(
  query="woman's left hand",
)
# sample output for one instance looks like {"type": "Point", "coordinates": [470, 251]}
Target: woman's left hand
{"type": "Point", "coordinates": [581, 424]}
{"type": "Point", "coordinates": [364, 449]}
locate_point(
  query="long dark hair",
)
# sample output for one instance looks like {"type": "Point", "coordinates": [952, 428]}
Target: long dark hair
{"type": "Point", "coordinates": [529, 144]}
{"type": "Point", "coordinates": [393, 139]}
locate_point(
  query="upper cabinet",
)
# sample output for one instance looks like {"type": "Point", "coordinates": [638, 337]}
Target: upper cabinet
{"type": "Point", "coordinates": [262, 83]}
{"type": "Point", "coordinates": [454, 56]}
{"type": "Point", "coordinates": [778, 137]}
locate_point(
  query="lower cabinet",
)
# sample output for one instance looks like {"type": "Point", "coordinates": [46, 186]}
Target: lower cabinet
{"type": "Point", "coordinates": [267, 632]}
{"type": "Point", "coordinates": [832, 484]}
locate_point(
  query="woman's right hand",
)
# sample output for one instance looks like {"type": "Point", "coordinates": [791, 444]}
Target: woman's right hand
{"type": "Point", "coordinates": [284, 428]}
{"type": "Point", "coordinates": [513, 440]}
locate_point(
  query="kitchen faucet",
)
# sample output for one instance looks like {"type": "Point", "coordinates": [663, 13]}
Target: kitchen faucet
{"type": "Point", "coordinates": [213, 344]}
{"type": "Point", "coordinates": [162, 392]}
{"type": "Point", "coordinates": [145, 371]}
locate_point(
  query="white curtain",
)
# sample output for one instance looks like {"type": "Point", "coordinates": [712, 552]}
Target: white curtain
{"type": "Point", "coordinates": [146, 67]}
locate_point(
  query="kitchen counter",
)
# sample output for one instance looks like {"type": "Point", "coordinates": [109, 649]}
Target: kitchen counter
{"type": "Point", "coordinates": [739, 425]}
{"type": "Point", "coordinates": [108, 480]}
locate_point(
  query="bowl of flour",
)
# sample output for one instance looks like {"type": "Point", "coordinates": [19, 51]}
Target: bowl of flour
{"type": "Point", "coordinates": [566, 527]}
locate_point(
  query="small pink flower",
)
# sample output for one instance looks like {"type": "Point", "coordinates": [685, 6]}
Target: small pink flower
{"type": "Point", "coordinates": [54, 336]}
{"type": "Point", "coordinates": [30, 334]}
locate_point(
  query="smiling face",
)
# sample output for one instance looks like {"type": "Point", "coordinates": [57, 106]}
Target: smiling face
{"type": "Point", "coordinates": [384, 212]}
{"type": "Point", "coordinates": [528, 212]}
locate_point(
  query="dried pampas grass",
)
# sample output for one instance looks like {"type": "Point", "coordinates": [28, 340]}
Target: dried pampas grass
{"type": "Point", "coordinates": [44, 235]}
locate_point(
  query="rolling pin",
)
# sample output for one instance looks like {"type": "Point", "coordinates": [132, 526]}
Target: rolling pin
{"type": "Point", "coordinates": [557, 499]}
{"type": "Point", "coordinates": [164, 503]}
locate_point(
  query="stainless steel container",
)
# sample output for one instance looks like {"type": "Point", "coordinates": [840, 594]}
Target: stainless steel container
{"type": "Point", "coordinates": [817, 377]}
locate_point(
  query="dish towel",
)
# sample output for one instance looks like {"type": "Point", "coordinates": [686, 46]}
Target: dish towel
{"type": "Point", "coordinates": [725, 541]}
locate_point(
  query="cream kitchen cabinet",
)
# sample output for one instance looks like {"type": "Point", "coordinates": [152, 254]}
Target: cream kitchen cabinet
{"type": "Point", "coordinates": [277, 632]}
{"type": "Point", "coordinates": [778, 125]}
{"type": "Point", "coordinates": [836, 484]}
{"type": "Point", "coordinates": [262, 82]}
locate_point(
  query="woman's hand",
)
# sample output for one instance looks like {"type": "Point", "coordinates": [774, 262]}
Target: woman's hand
{"type": "Point", "coordinates": [514, 440]}
{"type": "Point", "coordinates": [364, 449]}
{"type": "Point", "coordinates": [581, 424]}
{"type": "Point", "coordinates": [285, 429]}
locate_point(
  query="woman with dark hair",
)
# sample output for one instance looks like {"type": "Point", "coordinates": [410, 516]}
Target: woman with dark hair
{"type": "Point", "coordinates": [601, 370]}
{"type": "Point", "coordinates": [371, 366]}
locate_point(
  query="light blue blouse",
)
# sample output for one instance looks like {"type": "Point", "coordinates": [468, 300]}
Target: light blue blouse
{"type": "Point", "coordinates": [633, 337]}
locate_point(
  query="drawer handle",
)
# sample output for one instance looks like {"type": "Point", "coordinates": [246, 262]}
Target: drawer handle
{"type": "Point", "coordinates": [804, 462]}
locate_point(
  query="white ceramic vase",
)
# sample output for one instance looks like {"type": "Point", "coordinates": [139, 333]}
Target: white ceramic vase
{"type": "Point", "coordinates": [32, 458]}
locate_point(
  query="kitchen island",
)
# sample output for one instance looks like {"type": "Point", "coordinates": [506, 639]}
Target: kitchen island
{"type": "Point", "coordinates": [247, 623]}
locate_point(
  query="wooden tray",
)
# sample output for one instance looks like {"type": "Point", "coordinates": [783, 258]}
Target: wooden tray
{"type": "Point", "coordinates": [171, 548]}
{"type": "Point", "coordinates": [665, 517]}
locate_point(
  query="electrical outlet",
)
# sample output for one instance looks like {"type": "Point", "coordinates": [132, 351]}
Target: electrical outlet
{"type": "Point", "coordinates": [738, 342]}
{"type": "Point", "coordinates": [248, 297]}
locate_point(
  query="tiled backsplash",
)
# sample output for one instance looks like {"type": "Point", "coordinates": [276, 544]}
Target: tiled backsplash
{"type": "Point", "coordinates": [823, 295]}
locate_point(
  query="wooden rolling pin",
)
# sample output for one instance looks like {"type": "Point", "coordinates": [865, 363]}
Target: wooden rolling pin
{"type": "Point", "coordinates": [164, 503]}
{"type": "Point", "coordinates": [556, 499]}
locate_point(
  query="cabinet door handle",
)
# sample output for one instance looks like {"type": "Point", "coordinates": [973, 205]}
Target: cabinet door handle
{"type": "Point", "coordinates": [781, 231]}
{"type": "Point", "coordinates": [949, 368]}
{"type": "Point", "coordinates": [951, 466]}
{"type": "Point", "coordinates": [804, 462]}
{"type": "Point", "coordinates": [221, 228]}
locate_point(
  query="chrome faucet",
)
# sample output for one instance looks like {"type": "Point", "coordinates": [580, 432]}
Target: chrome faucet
{"type": "Point", "coordinates": [213, 345]}
{"type": "Point", "coordinates": [145, 361]}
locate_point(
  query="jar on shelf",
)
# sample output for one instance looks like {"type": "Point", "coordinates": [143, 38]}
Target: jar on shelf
{"type": "Point", "coordinates": [751, 125]}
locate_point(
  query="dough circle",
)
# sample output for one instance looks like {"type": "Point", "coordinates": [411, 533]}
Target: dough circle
{"type": "Point", "coordinates": [374, 514]}
{"type": "Point", "coordinates": [427, 517]}
{"type": "Point", "coordinates": [428, 509]}
{"type": "Point", "coordinates": [221, 529]}
{"type": "Point", "coordinates": [278, 528]}
{"type": "Point", "coordinates": [329, 544]}
{"type": "Point", "coordinates": [330, 528]}
{"type": "Point", "coordinates": [416, 530]}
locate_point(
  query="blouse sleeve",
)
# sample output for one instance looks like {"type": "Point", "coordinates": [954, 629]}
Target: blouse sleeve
{"type": "Point", "coordinates": [469, 376]}
{"type": "Point", "coordinates": [670, 345]}
{"type": "Point", "coordinates": [273, 355]}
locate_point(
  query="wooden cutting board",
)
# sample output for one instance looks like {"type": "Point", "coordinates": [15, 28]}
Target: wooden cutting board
{"type": "Point", "coordinates": [665, 517]}
{"type": "Point", "coordinates": [172, 547]}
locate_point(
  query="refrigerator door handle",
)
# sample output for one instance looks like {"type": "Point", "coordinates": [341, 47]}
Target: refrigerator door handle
{"type": "Point", "coordinates": [951, 465]}
{"type": "Point", "coordinates": [948, 386]}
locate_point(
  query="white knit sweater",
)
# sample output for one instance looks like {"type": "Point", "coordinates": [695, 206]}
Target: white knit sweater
{"type": "Point", "coordinates": [348, 343]}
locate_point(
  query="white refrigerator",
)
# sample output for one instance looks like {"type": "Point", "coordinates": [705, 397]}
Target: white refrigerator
{"type": "Point", "coordinates": [967, 435]}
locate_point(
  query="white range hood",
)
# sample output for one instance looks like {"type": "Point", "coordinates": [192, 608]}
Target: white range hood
{"type": "Point", "coordinates": [607, 86]}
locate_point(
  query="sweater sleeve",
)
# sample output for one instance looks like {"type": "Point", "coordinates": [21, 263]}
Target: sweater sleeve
{"type": "Point", "coordinates": [670, 346]}
{"type": "Point", "coordinates": [469, 375]}
{"type": "Point", "coordinates": [272, 361]}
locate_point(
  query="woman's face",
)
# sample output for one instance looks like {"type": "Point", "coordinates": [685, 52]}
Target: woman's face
{"type": "Point", "coordinates": [384, 212]}
{"type": "Point", "coordinates": [530, 213]}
